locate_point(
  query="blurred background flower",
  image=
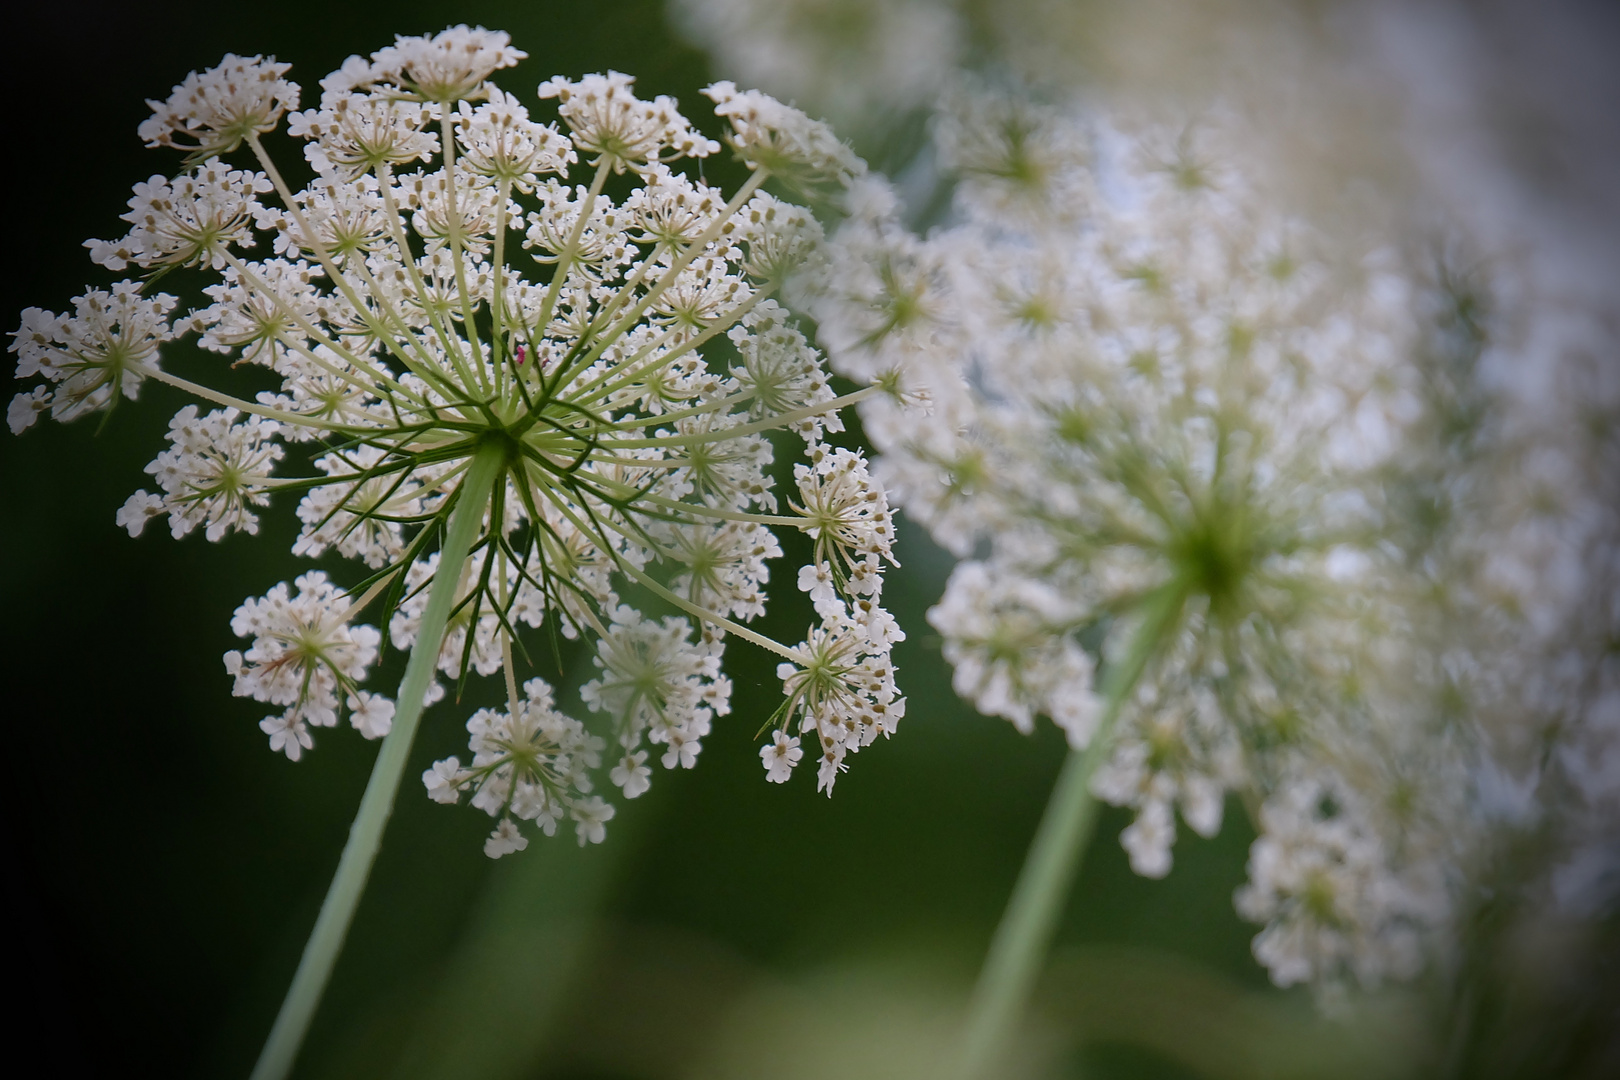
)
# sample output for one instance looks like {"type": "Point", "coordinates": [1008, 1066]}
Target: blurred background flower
{"type": "Point", "coordinates": [736, 928]}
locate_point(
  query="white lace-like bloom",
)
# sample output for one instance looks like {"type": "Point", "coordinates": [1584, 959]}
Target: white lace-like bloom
{"type": "Point", "coordinates": [656, 682]}
{"type": "Point", "coordinates": [500, 142]}
{"type": "Point", "coordinates": [363, 518]}
{"type": "Point", "coordinates": [259, 319]}
{"type": "Point", "coordinates": [766, 133]}
{"type": "Point", "coordinates": [725, 566]}
{"type": "Point", "coordinates": [843, 693]}
{"type": "Point", "coordinates": [449, 66]}
{"type": "Point", "coordinates": [608, 120]}
{"type": "Point", "coordinates": [100, 353]}
{"type": "Point", "coordinates": [780, 372]}
{"type": "Point", "coordinates": [351, 134]}
{"type": "Point", "coordinates": [847, 511]}
{"type": "Point", "coordinates": [533, 764]}
{"type": "Point", "coordinates": [212, 112]}
{"type": "Point", "coordinates": [1146, 395]}
{"type": "Point", "coordinates": [457, 287]}
{"type": "Point", "coordinates": [213, 472]}
{"type": "Point", "coordinates": [307, 656]}
{"type": "Point", "coordinates": [1321, 883]}
{"type": "Point", "coordinates": [191, 220]}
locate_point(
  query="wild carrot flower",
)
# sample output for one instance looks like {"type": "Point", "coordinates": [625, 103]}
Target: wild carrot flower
{"type": "Point", "coordinates": [455, 297]}
{"type": "Point", "coordinates": [502, 387]}
{"type": "Point", "coordinates": [1148, 411]}
{"type": "Point", "coordinates": [1378, 485]}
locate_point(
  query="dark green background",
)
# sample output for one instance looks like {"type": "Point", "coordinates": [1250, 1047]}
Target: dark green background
{"type": "Point", "coordinates": [167, 866]}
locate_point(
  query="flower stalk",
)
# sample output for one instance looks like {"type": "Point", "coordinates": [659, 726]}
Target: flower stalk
{"type": "Point", "coordinates": [1027, 925]}
{"type": "Point", "coordinates": [365, 835]}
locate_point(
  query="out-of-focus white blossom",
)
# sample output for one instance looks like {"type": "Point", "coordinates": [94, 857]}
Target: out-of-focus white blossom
{"type": "Point", "coordinates": [1124, 383]}
{"type": "Point", "coordinates": [657, 683]}
{"type": "Point", "coordinates": [1418, 697]}
{"type": "Point", "coordinates": [1319, 881]}
{"type": "Point", "coordinates": [850, 61]}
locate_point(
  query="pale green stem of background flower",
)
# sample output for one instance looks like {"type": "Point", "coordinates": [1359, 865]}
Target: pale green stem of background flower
{"type": "Point", "coordinates": [365, 835]}
{"type": "Point", "coordinates": [1025, 933]}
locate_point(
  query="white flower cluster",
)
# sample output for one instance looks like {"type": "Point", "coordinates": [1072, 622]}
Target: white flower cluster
{"type": "Point", "coordinates": [1136, 401]}
{"type": "Point", "coordinates": [530, 764]}
{"type": "Point", "coordinates": [191, 220]}
{"type": "Point", "coordinates": [658, 683]}
{"type": "Point", "coordinates": [844, 689]}
{"type": "Point", "coordinates": [213, 111]}
{"type": "Point", "coordinates": [1322, 887]}
{"type": "Point", "coordinates": [93, 357]}
{"type": "Point", "coordinates": [623, 131]}
{"type": "Point", "coordinates": [1425, 702]}
{"type": "Point", "coordinates": [306, 656]}
{"type": "Point", "coordinates": [444, 293]}
{"type": "Point", "coordinates": [215, 469]}
{"type": "Point", "coordinates": [766, 133]}
{"type": "Point", "coordinates": [1536, 617]}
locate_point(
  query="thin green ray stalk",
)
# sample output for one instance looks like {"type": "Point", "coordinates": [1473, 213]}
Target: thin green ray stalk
{"type": "Point", "coordinates": [1027, 925]}
{"type": "Point", "coordinates": [365, 835]}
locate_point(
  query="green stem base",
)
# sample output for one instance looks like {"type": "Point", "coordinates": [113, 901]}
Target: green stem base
{"type": "Point", "coordinates": [365, 835]}
{"type": "Point", "coordinates": [1025, 932]}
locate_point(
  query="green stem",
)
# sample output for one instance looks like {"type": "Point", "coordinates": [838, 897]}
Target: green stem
{"type": "Point", "coordinates": [1030, 920]}
{"type": "Point", "coordinates": [365, 835]}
